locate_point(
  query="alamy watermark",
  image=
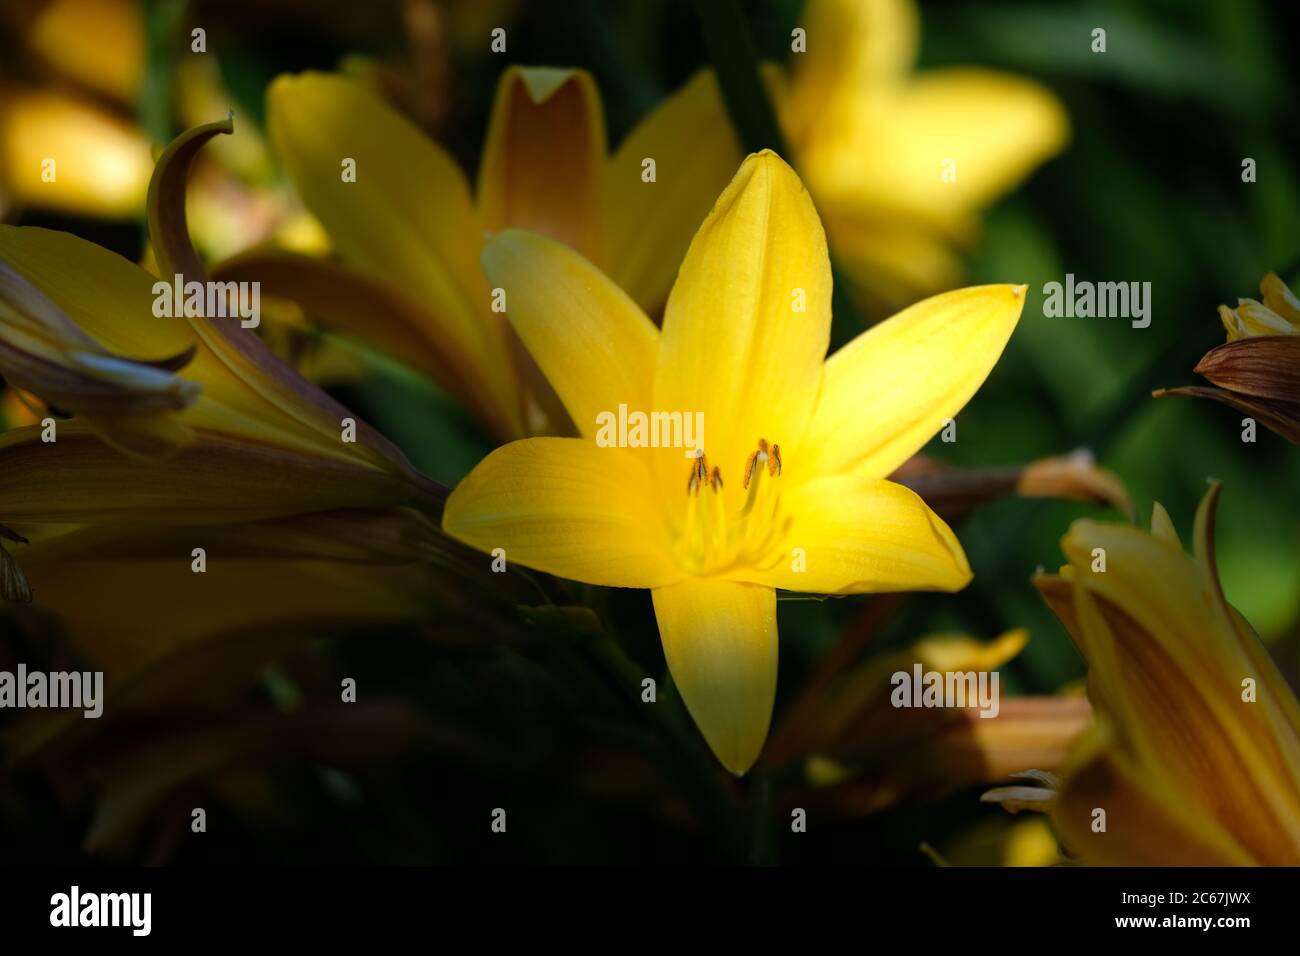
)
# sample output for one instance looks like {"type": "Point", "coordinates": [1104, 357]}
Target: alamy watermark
{"type": "Point", "coordinates": [1103, 300]}
{"type": "Point", "coordinates": [922, 688]}
{"type": "Point", "coordinates": [635, 429]}
{"type": "Point", "coordinates": [212, 300]}
{"type": "Point", "coordinates": [77, 909]}
{"type": "Point", "coordinates": [58, 690]}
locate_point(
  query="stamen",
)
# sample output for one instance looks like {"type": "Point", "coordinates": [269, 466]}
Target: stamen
{"type": "Point", "coordinates": [699, 474]}
{"type": "Point", "coordinates": [716, 532]}
{"type": "Point", "coordinates": [758, 458]}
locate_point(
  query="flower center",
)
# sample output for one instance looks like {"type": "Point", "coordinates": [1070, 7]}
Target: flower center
{"type": "Point", "coordinates": [719, 532]}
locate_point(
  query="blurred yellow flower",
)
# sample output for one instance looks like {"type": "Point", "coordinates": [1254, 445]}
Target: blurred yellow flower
{"type": "Point", "coordinates": [862, 754]}
{"type": "Point", "coordinates": [98, 43]}
{"type": "Point", "coordinates": [1194, 756]}
{"type": "Point", "coordinates": [401, 217]}
{"type": "Point", "coordinates": [743, 345]}
{"type": "Point", "coordinates": [60, 152]}
{"type": "Point", "coordinates": [900, 165]}
{"type": "Point", "coordinates": [60, 148]}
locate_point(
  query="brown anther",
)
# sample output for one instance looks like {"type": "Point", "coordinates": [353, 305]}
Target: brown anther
{"type": "Point", "coordinates": [699, 475]}
{"type": "Point", "coordinates": [770, 454]}
{"type": "Point", "coordinates": [715, 478]}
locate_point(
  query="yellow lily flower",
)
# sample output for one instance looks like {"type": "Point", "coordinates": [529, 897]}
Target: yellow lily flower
{"type": "Point", "coordinates": [408, 231]}
{"type": "Point", "coordinates": [789, 492]}
{"type": "Point", "coordinates": [1194, 756]}
{"type": "Point", "coordinates": [1258, 368]}
{"type": "Point", "coordinates": [901, 165]}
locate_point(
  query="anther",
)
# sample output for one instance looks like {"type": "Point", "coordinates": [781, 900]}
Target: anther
{"type": "Point", "coordinates": [699, 475]}
{"type": "Point", "coordinates": [769, 454]}
{"type": "Point", "coordinates": [715, 478]}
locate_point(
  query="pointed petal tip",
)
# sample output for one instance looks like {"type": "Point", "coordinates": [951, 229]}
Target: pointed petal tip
{"type": "Point", "coordinates": [543, 82]}
{"type": "Point", "coordinates": [765, 159]}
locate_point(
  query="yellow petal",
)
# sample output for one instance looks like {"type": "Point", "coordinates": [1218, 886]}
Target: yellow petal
{"type": "Point", "coordinates": [1162, 527]}
{"type": "Point", "coordinates": [945, 145]}
{"type": "Point", "coordinates": [544, 158]}
{"type": "Point", "coordinates": [853, 535]}
{"type": "Point", "coordinates": [720, 641]}
{"type": "Point", "coordinates": [891, 389]}
{"type": "Point", "coordinates": [77, 480]}
{"type": "Point", "coordinates": [100, 165]}
{"type": "Point", "coordinates": [567, 507]}
{"type": "Point", "coordinates": [43, 352]}
{"type": "Point", "coordinates": [346, 300]}
{"type": "Point", "coordinates": [736, 345]}
{"type": "Point", "coordinates": [1156, 637]}
{"type": "Point", "coordinates": [594, 345]}
{"type": "Point", "coordinates": [888, 259]}
{"type": "Point", "coordinates": [855, 48]}
{"type": "Point", "coordinates": [1147, 824]}
{"type": "Point", "coordinates": [407, 219]}
{"type": "Point", "coordinates": [1279, 297]}
{"type": "Point", "coordinates": [243, 355]}
{"type": "Point", "coordinates": [650, 224]}
{"type": "Point", "coordinates": [1254, 318]}
{"type": "Point", "coordinates": [1232, 323]}
{"type": "Point", "coordinates": [1276, 701]}
{"type": "Point", "coordinates": [99, 43]}
{"type": "Point", "coordinates": [112, 300]}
